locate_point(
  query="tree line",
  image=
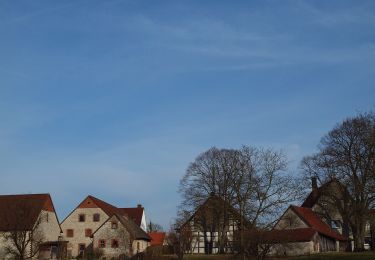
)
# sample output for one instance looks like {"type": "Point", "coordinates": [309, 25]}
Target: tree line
{"type": "Point", "coordinates": [256, 181]}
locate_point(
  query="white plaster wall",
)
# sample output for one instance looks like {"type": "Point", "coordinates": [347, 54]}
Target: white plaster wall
{"type": "Point", "coordinates": [71, 222]}
{"type": "Point", "coordinates": [144, 222]}
{"type": "Point", "coordinates": [3, 244]}
{"type": "Point", "coordinates": [142, 246]}
{"type": "Point", "coordinates": [49, 226]}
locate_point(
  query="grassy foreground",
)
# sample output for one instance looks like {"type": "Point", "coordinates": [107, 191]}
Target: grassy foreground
{"type": "Point", "coordinates": [323, 256]}
{"type": "Point", "coordinates": [338, 256]}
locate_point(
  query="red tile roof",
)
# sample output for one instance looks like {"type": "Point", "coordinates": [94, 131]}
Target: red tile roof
{"type": "Point", "coordinates": [106, 207]}
{"type": "Point", "coordinates": [20, 212]}
{"type": "Point", "coordinates": [133, 213]}
{"type": "Point", "coordinates": [315, 222]}
{"type": "Point", "coordinates": [157, 238]}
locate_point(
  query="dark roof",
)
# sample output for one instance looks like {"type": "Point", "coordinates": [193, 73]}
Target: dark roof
{"type": "Point", "coordinates": [135, 231]}
{"type": "Point", "coordinates": [157, 238]}
{"type": "Point", "coordinates": [212, 203]}
{"type": "Point", "coordinates": [315, 194]}
{"type": "Point", "coordinates": [288, 235]}
{"type": "Point", "coordinates": [134, 213]}
{"type": "Point", "coordinates": [315, 222]}
{"type": "Point", "coordinates": [133, 228]}
{"type": "Point", "coordinates": [20, 212]}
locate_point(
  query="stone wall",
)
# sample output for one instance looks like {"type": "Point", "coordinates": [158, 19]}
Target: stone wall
{"type": "Point", "coordinates": [72, 222]}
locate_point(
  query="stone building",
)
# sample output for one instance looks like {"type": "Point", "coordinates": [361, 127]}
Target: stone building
{"type": "Point", "coordinates": [120, 235]}
{"type": "Point", "coordinates": [79, 226]}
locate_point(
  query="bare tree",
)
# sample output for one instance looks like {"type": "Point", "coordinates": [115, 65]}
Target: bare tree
{"type": "Point", "coordinates": [22, 237]}
{"type": "Point", "coordinates": [210, 173]}
{"type": "Point", "coordinates": [347, 154]}
{"type": "Point", "coordinates": [252, 180]}
{"type": "Point", "coordinates": [180, 238]}
{"type": "Point", "coordinates": [154, 227]}
{"type": "Point", "coordinates": [262, 190]}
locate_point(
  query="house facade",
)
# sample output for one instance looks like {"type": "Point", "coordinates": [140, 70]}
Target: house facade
{"type": "Point", "coordinates": [300, 231]}
{"type": "Point", "coordinates": [212, 227]}
{"type": "Point", "coordinates": [33, 217]}
{"type": "Point", "coordinates": [120, 235]}
{"type": "Point", "coordinates": [80, 225]}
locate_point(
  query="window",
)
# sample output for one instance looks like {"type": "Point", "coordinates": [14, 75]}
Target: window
{"type": "Point", "coordinates": [138, 246]}
{"type": "Point", "coordinates": [101, 243]}
{"type": "Point", "coordinates": [70, 233]}
{"type": "Point", "coordinates": [81, 218]}
{"type": "Point", "coordinates": [47, 217]}
{"type": "Point", "coordinates": [114, 243]}
{"type": "Point", "coordinates": [114, 225]}
{"type": "Point", "coordinates": [81, 250]}
{"type": "Point", "coordinates": [96, 217]}
{"type": "Point", "coordinates": [88, 232]}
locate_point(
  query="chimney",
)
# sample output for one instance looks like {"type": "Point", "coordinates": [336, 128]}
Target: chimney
{"type": "Point", "coordinates": [139, 206]}
{"type": "Point", "coordinates": [314, 183]}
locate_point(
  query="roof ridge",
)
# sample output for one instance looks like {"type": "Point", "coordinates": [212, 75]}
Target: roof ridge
{"type": "Point", "coordinates": [95, 198]}
{"type": "Point", "coordinates": [25, 194]}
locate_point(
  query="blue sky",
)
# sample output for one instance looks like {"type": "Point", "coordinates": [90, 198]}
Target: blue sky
{"type": "Point", "coordinates": [115, 98]}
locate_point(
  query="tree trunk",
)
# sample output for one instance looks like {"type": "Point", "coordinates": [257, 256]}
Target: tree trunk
{"type": "Point", "coordinates": [242, 251]}
{"type": "Point", "coordinates": [359, 235]}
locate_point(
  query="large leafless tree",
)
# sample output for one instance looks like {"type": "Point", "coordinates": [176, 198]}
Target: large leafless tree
{"type": "Point", "coordinates": [347, 154]}
{"type": "Point", "coordinates": [253, 180]}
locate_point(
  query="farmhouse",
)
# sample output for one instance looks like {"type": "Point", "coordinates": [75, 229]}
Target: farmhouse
{"type": "Point", "coordinates": [300, 231]}
{"type": "Point", "coordinates": [119, 235]}
{"type": "Point", "coordinates": [91, 214]}
{"type": "Point", "coordinates": [212, 227]}
{"type": "Point", "coordinates": [31, 218]}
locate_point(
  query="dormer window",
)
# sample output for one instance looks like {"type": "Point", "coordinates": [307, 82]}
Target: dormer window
{"type": "Point", "coordinates": [114, 225]}
{"type": "Point", "coordinates": [335, 224]}
{"type": "Point", "coordinates": [81, 218]}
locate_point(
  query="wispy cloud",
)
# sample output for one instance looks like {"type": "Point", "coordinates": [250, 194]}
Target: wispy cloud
{"type": "Point", "coordinates": [354, 14]}
{"type": "Point", "coordinates": [41, 12]}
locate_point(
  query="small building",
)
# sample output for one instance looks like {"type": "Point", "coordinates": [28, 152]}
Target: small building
{"type": "Point", "coordinates": [30, 215]}
{"type": "Point", "coordinates": [120, 235]}
{"type": "Point", "coordinates": [157, 238]}
{"type": "Point", "coordinates": [300, 231]}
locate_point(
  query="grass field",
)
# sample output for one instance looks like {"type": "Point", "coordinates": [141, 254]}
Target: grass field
{"type": "Point", "coordinates": [323, 256]}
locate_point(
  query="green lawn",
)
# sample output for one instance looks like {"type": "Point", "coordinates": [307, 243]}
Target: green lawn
{"type": "Point", "coordinates": [338, 256]}
{"type": "Point", "coordinates": [323, 256]}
